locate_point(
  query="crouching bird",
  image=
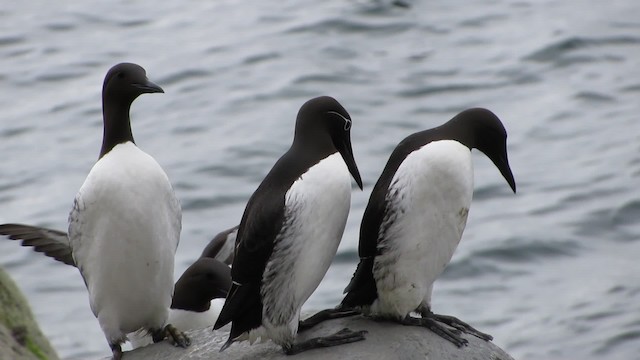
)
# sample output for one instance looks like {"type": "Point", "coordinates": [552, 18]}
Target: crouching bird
{"type": "Point", "coordinates": [414, 221]}
{"type": "Point", "coordinates": [290, 232]}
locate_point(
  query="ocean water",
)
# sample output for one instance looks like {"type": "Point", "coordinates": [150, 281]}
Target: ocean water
{"type": "Point", "coordinates": [551, 272]}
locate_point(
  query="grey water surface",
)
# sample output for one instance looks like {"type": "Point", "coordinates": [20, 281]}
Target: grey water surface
{"type": "Point", "coordinates": [551, 272]}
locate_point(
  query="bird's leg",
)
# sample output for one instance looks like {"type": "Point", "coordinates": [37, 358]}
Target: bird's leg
{"type": "Point", "coordinates": [456, 323]}
{"type": "Point", "coordinates": [344, 336]}
{"type": "Point", "coordinates": [437, 328]}
{"type": "Point", "coordinates": [116, 350]}
{"type": "Point", "coordinates": [325, 315]}
{"type": "Point", "coordinates": [176, 337]}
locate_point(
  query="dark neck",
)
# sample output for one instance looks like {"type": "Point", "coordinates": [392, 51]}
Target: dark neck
{"type": "Point", "coordinates": [456, 129]}
{"type": "Point", "coordinates": [313, 140]}
{"type": "Point", "coordinates": [117, 125]}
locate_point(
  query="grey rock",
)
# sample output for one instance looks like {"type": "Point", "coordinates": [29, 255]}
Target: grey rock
{"type": "Point", "coordinates": [384, 341]}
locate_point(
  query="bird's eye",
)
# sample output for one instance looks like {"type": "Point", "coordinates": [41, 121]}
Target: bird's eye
{"type": "Point", "coordinates": [347, 122]}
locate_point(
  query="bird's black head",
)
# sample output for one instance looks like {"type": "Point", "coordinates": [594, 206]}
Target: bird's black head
{"type": "Point", "coordinates": [205, 280]}
{"type": "Point", "coordinates": [127, 81]}
{"type": "Point", "coordinates": [123, 84]}
{"type": "Point", "coordinates": [325, 115]}
{"type": "Point", "coordinates": [481, 129]}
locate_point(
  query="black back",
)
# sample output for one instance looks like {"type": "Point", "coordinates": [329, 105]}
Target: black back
{"type": "Point", "coordinates": [317, 127]}
{"type": "Point", "coordinates": [475, 128]}
{"type": "Point", "coordinates": [122, 85]}
{"type": "Point", "coordinates": [212, 250]}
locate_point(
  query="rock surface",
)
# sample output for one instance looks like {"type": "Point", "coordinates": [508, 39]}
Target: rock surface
{"type": "Point", "coordinates": [384, 341]}
{"type": "Point", "coordinates": [20, 336]}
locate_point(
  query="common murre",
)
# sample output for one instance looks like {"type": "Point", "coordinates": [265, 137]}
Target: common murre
{"type": "Point", "coordinates": [198, 294]}
{"type": "Point", "coordinates": [125, 224]}
{"type": "Point", "coordinates": [414, 221]}
{"type": "Point", "coordinates": [290, 231]}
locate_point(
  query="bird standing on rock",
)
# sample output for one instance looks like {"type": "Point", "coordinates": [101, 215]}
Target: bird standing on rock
{"type": "Point", "coordinates": [414, 221]}
{"type": "Point", "coordinates": [198, 294]}
{"type": "Point", "coordinates": [290, 232]}
{"type": "Point", "coordinates": [125, 223]}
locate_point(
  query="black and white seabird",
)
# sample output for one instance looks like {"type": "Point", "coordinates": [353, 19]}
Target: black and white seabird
{"type": "Point", "coordinates": [290, 232]}
{"type": "Point", "coordinates": [198, 294]}
{"type": "Point", "coordinates": [205, 280]}
{"type": "Point", "coordinates": [125, 223]}
{"type": "Point", "coordinates": [415, 218]}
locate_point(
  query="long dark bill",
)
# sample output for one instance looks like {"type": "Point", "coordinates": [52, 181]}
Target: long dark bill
{"type": "Point", "coordinates": [149, 87]}
{"type": "Point", "coordinates": [344, 147]}
{"type": "Point", "coordinates": [502, 164]}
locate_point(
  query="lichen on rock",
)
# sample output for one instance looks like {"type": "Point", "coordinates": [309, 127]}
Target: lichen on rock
{"type": "Point", "coordinates": [20, 336]}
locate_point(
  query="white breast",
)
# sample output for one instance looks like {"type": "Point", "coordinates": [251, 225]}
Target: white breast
{"type": "Point", "coordinates": [124, 231]}
{"type": "Point", "coordinates": [428, 203]}
{"type": "Point", "coordinates": [317, 206]}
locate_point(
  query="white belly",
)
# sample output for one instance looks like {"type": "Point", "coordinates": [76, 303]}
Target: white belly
{"type": "Point", "coordinates": [317, 206]}
{"type": "Point", "coordinates": [429, 199]}
{"type": "Point", "coordinates": [124, 231]}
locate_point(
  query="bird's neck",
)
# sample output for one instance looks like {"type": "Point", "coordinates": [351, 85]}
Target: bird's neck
{"type": "Point", "coordinates": [466, 137]}
{"type": "Point", "coordinates": [117, 125]}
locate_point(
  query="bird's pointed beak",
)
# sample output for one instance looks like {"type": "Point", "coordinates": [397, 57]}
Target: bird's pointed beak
{"type": "Point", "coordinates": [503, 165]}
{"type": "Point", "coordinates": [149, 87]}
{"type": "Point", "coordinates": [347, 154]}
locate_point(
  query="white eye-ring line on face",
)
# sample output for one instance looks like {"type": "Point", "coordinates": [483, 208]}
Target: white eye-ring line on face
{"type": "Point", "coordinates": [347, 122]}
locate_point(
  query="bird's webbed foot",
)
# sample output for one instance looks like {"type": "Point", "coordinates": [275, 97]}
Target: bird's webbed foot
{"type": "Point", "coordinates": [344, 336]}
{"type": "Point", "coordinates": [448, 334]}
{"type": "Point", "coordinates": [325, 315]}
{"type": "Point", "coordinates": [116, 350]}
{"type": "Point", "coordinates": [456, 323]}
{"type": "Point", "coordinates": [175, 336]}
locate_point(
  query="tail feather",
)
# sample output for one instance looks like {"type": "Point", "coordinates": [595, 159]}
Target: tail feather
{"type": "Point", "coordinates": [243, 308]}
{"type": "Point", "coordinates": [362, 289]}
{"type": "Point", "coordinates": [227, 344]}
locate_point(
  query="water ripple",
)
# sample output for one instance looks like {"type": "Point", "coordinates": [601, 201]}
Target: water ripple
{"type": "Point", "coordinates": [259, 58]}
{"type": "Point", "coordinates": [351, 26]}
{"type": "Point", "coordinates": [449, 88]}
{"type": "Point", "coordinates": [619, 340]}
{"type": "Point", "coordinates": [529, 251]}
{"type": "Point", "coordinates": [592, 96]}
{"type": "Point", "coordinates": [11, 40]}
{"type": "Point", "coordinates": [59, 75]}
{"type": "Point", "coordinates": [627, 214]}
{"type": "Point", "coordinates": [202, 203]}
{"type": "Point", "coordinates": [558, 51]}
{"type": "Point", "coordinates": [61, 27]}
{"type": "Point", "coordinates": [183, 75]}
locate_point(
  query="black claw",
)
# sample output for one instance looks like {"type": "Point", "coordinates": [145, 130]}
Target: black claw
{"type": "Point", "coordinates": [439, 329]}
{"type": "Point", "coordinates": [325, 315]}
{"type": "Point", "coordinates": [461, 326]}
{"type": "Point", "coordinates": [176, 337]}
{"type": "Point", "coordinates": [344, 336]}
{"type": "Point", "coordinates": [116, 350]}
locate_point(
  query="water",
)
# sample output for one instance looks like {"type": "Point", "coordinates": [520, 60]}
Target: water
{"type": "Point", "coordinates": [551, 272]}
